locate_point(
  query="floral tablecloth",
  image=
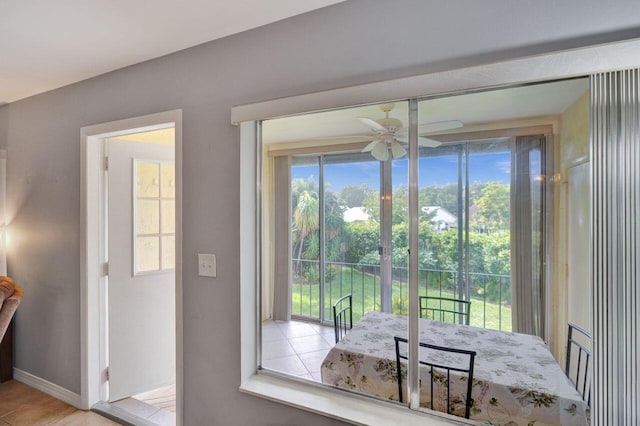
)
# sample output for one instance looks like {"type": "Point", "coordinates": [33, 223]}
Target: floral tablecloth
{"type": "Point", "coordinates": [516, 379]}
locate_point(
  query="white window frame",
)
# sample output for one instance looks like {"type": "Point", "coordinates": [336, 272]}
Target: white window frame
{"type": "Point", "coordinates": [319, 398]}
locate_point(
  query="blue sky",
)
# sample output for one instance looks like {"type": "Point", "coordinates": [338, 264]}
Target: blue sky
{"type": "Point", "coordinates": [433, 171]}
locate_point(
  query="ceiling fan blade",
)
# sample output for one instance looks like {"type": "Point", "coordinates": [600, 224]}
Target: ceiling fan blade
{"type": "Point", "coordinates": [370, 146]}
{"type": "Point", "coordinates": [335, 140]}
{"type": "Point", "coordinates": [373, 124]}
{"type": "Point", "coordinates": [430, 143]}
{"type": "Point", "coordinates": [397, 150]}
{"type": "Point", "coordinates": [380, 152]}
{"type": "Point", "coordinates": [439, 126]}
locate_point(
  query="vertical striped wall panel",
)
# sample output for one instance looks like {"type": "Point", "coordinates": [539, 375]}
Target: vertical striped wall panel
{"type": "Point", "coordinates": [615, 255]}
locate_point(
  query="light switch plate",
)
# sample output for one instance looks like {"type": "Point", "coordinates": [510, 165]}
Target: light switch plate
{"type": "Point", "coordinates": [207, 265]}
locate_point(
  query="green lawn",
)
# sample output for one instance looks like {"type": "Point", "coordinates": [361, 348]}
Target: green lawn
{"type": "Point", "coordinates": [365, 288]}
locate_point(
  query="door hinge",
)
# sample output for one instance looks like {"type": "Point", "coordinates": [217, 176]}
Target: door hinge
{"type": "Point", "coordinates": [105, 269]}
{"type": "Point", "coordinates": [106, 373]}
{"type": "Point", "coordinates": [106, 163]}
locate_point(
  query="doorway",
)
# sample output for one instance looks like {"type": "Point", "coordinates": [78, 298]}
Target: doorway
{"type": "Point", "coordinates": [132, 262]}
{"type": "Point", "coordinates": [140, 296]}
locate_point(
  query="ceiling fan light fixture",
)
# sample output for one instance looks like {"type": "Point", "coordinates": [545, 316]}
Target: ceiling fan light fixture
{"type": "Point", "coordinates": [397, 150]}
{"type": "Point", "coordinates": [391, 125]}
{"type": "Point", "coordinates": [389, 134]}
{"type": "Point", "coordinates": [371, 145]}
{"type": "Point", "coordinates": [380, 152]}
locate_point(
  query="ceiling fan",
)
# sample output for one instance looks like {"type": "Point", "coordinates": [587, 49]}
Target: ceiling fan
{"type": "Point", "coordinates": [390, 136]}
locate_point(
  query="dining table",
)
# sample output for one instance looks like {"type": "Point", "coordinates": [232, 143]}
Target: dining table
{"type": "Point", "coordinates": [516, 380]}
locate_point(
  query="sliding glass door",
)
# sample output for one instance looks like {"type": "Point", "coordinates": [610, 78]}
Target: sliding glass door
{"type": "Point", "coordinates": [464, 233]}
{"type": "Point", "coordinates": [349, 234]}
{"type": "Point", "coordinates": [348, 211]}
{"type": "Point", "coordinates": [305, 237]}
{"type": "Point", "coordinates": [349, 229]}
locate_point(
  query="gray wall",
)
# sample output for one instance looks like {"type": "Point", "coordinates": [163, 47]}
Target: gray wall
{"type": "Point", "coordinates": [354, 42]}
{"type": "Point", "coordinates": [4, 125]}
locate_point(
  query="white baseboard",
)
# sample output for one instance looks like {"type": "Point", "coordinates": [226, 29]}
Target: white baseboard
{"type": "Point", "coordinates": [47, 387]}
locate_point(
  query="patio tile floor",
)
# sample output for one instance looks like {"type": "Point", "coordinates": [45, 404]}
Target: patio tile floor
{"type": "Point", "coordinates": [295, 347]}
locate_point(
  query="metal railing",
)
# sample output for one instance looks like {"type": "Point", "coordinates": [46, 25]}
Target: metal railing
{"type": "Point", "coordinates": [490, 294]}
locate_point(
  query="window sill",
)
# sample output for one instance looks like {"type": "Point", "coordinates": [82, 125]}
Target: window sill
{"type": "Point", "coordinates": [338, 404]}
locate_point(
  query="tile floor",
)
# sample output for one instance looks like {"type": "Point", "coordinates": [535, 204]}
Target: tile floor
{"type": "Point", "coordinates": [164, 398]}
{"type": "Point", "coordinates": [157, 406]}
{"type": "Point", "coordinates": [296, 348]}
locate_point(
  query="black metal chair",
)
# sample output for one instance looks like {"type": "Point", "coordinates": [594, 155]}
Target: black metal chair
{"type": "Point", "coordinates": [578, 372]}
{"type": "Point", "coordinates": [438, 372]}
{"type": "Point", "coordinates": [445, 309]}
{"type": "Point", "coordinates": [342, 316]}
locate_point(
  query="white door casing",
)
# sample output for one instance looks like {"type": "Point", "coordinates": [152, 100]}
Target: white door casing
{"type": "Point", "coordinates": [141, 305]}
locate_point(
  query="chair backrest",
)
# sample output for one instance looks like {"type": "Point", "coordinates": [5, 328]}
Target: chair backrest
{"type": "Point", "coordinates": [440, 373]}
{"type": "Point", "coordinates": [445, 309]}
{"type": "Point", "coordinates": [577, 362]}
{"type": "Point", "coordinates": [342, 316]}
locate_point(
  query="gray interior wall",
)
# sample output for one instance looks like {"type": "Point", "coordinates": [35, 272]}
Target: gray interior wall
{"type": "Point", "coordinates": [354, 42]}
{"type": "Point", "coordinates": [4, 125]}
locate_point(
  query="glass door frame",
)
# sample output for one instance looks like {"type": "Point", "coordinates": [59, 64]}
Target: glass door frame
{"type": "Point", "coordinates": [385, 243]}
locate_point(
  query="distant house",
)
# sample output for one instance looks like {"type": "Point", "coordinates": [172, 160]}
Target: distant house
{"type": "Point", "coordinates": [355, 214]}
{"type": "Point", "coordinates": [441, 218]}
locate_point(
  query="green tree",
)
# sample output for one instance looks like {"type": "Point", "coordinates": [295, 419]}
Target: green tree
{"type": "Point", "coordinates": [490, 255]}
{"type": "Point", "coordinates": [371, 204]}
{"type": "Point", "coordinates": [400, 245]}
{"type": "Point", "coordinates": [445, 196]}
{"type": "Point", "coordinates": [306, 216]}
{"type": "Point", "coordinates": [334, 227]}
{"type": "Point", "coordinates": [475, 192]}
{"type": "Point", "coordinates": [399, 205]}
{"type": "Point", "coordinates": [361, 239]}
{"type": "Point", "coordinates": [493, 208]}
{"type": "Point", "coordinates": [427, 238]}
{"type": "Point", "coordinates": [306, 221]}
{"type": "Point", "coordinates": [354, 195]}
{"type": "Point", "coordinates": [298, 186]}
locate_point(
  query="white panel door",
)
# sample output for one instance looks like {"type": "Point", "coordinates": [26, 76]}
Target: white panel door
{"type": "Point", "coordinates": [141, 278]}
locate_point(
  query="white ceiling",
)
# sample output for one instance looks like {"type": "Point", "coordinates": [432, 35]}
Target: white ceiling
{"type": "Point", "coordinates": [473, 109]}
{"type": "Point", "coordinates": [45, 44]}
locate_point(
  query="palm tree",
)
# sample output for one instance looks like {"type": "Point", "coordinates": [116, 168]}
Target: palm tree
{"type": "Point", "coordinates": [305, 217]}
